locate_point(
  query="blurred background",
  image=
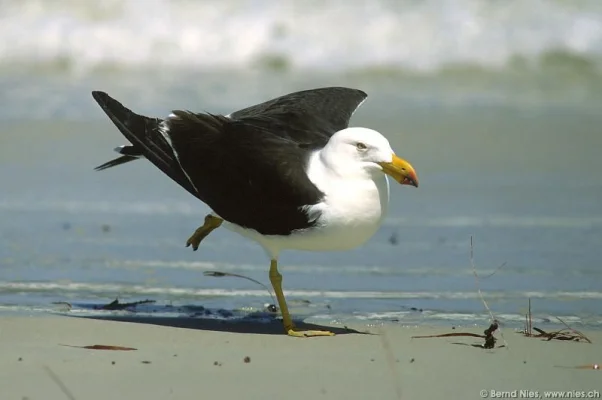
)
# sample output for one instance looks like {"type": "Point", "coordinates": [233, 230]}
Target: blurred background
{"type": "Point", "coordinates": [497, 104]}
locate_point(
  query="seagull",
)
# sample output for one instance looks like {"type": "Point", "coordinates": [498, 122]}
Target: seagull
{"type": "Point", "coordinates": [288, 173]}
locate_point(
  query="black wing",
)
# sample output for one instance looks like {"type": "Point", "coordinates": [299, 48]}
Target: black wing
{"type": "Point", "coordinates": [246, 173]}
{"type": "Point", "coordinates": [248, 167]}
{"type": "Point", "coordinates": [309, 116]}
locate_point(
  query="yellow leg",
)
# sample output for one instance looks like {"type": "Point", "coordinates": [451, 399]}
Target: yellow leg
{"type": "Point", "coordinates": [289, 327]}
{"type": "Point", "coordinates": [201, 233]}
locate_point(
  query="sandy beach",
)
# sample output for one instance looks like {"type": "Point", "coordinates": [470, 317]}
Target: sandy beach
{"type": "Point", "coordinates": [496, 104]}
{"type": "Point", "coordinates": [185, 359]}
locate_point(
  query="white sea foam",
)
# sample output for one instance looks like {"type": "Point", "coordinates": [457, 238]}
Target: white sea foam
{"type": "Point", "coordinates": [301, 269]}
{"type": "Point", "coordinates": [331, 34]}
{"type": "Point", "coordinates": [507, 318]}
{"type": "Point", "coordinates": [82, 287]}
{"type": "Point", "coordinates": [316, 269]}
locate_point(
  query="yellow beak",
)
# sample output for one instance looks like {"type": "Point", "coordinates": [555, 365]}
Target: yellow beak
{"type": "Point", "coordinates": [400, 170]}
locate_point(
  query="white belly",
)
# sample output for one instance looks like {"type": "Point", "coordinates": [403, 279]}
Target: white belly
{"type": "Point", "coordinates": [347, 220]}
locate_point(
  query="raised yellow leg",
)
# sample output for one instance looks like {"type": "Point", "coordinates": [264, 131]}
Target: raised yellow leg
{"type": "Point", "coordinates": [289, 327]}
{"type": "Point", "coordinates": [211, 223]}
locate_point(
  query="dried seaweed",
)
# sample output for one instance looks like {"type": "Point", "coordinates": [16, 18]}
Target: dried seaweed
{"type": "Point", "coordinates": [101, 347]}
{"type": "Point", "coordinates": [116, 305]}
{"type": "Point", "coordinates": [490, 340]}
{"type": "Point", "coordinates": [563, 334]}
{"type": "Point", "coordinates": [568, 333]}
{"type": "Point", "coordinates": [587, 366]}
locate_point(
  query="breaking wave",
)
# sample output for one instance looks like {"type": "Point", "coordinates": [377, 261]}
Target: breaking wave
{"type": "Point", "coordinates": [420, 36]}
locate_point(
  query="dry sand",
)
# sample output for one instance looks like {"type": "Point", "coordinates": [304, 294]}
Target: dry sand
{"type": "Point", "coordinates": [177, 361]}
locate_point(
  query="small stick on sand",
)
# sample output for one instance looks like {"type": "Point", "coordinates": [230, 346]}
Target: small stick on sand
{"type": "Point", "coordinates": [530, 318]}
{"type": "Point", "coordinates": [59, 383]}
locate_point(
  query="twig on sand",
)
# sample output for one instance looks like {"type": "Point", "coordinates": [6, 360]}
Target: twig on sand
{"type": "Point", "coordinates": [530, 327]}
{"type": "Point", "coordinates": [59, 383]}
{"type": "Point", "coordinates": [391, 362]}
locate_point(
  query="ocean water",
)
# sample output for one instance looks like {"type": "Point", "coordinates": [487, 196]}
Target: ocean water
{"type": "Point", "coordinates": [498, 105]}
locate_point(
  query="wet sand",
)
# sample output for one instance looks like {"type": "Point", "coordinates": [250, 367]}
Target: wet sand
{"type": "Point", "coordinates": [191, 359]}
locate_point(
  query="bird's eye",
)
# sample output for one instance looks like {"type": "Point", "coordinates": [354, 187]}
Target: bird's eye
{"type": "Point", "coordinates": [360, 146]}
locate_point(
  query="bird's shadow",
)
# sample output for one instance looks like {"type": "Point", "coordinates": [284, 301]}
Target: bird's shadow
{"type": "Point", "coordinates": [262, 323]}
{"type": "Point", "coordinates": [273, 327]}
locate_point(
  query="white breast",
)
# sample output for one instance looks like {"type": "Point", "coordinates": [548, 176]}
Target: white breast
{"type": "Point", "coordinates": [352, 211]}
{"type": "Point", "coordinates": [350, 215]}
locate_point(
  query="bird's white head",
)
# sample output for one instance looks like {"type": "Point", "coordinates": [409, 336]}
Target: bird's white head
{"type": "Point", "coordinates": [353, 151]}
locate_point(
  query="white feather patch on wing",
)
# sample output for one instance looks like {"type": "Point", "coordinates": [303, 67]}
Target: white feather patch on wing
{"type": "Point", "coordinates": [119, 150]}
{"type": "Point", "coordinates": [164, 130]}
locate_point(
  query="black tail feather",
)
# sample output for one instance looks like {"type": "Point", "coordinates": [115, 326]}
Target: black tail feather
{"type": "Point", "coordinates": [115, 162]}
{"type": "Point", "coordinates": [129, 153]}
{"type": "Point", "coordinates": [146, 138]}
